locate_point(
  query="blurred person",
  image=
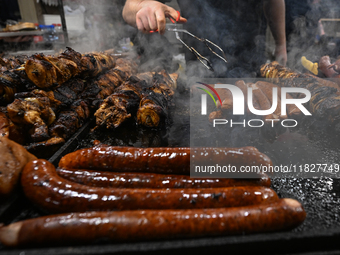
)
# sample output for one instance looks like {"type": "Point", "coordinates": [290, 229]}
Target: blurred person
{"type": "Point", "coordinates": [238, 27]}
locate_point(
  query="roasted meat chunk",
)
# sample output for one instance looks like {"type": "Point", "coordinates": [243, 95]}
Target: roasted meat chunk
{"type": "Point", "coordinates": [13, 159]}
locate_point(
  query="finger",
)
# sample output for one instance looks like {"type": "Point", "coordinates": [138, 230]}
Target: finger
{"type": "Point", "coordinates": [139, 25]}
{"type": "Point", "coordinates": [161, 21]}
{"type": "Point", "coordinates": [173, 14]}
{"type": "Point", "coordinates": [182, 20]}
{"type": "Point", "coordinates": [152, 20]}
{"type": "Point", "coordinates": [146, 27]}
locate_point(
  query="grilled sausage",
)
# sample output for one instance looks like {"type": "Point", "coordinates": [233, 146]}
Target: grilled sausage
{"type": "Point", "coordinates": [45, 188]}
{"type": "Point", "coordinates": [227, 100]}
{"type": "Point", "coordinates": [217, 115]}
{"type": "Point", "coordinates": [292, 110]}
{"type": "Point", "coordinates": [159, 160]}
{"type": "Point", "coordinates": [325, 67]}
{"type": "Point", "coordinates": [153, 181]}
{"type": "Point", "coordinates": [267, 89]}
{"type": "Point", "coordinates": [263, 101]}
{"type": "Point", "coordinates": [82, 228]}
{"type": "Point", "coordinates": [244, 87]}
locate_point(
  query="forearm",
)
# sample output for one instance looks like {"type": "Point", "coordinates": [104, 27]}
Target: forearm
{"type": "Point", "coordinates": [274, 11]}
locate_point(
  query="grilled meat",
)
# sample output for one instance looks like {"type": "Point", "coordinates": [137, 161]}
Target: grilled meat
{"type": "Point", "coordinates": [45, 148]}
{"type": "Point", "coordinates": [151, 95]}
{"type": "Point", "coordinates": [10, 83]}
{"type": "Point", "coordinates": [13, 159]}
{"type": "Point", "coordinates": [325, 98]}
{"type": "Point", "coordinates": [9, 129]}
{"type": "Point", "coordinates": [154, 106]}
{"type": "Point", "coordinates": [11, 63]}
{"type": "Point", "coordinates": [69, 121]}
{"type": "Point", "coordinates": [34, 113]}
{"type": "Point", "coordinates": [4, 125]}
{"type": "Point", "coordinates": [61, 97]}
{"type": "Point", "coordinates": [49, 71]}
{"type": "Point", "coordinates": [122, 104]}
{"type": "Point", "coordinates": [104, 85]}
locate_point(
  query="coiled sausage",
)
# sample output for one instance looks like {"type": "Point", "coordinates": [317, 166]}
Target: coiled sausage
{"type": "Point", "coordinates": [128, 226]}
{"type": "Point", "coordinates": [45, 188]}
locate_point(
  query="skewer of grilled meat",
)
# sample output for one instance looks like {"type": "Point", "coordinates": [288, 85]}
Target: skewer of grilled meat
{"type": "Point", "coordinates": [50, 71]}
{"type": "Point", "coordinates": [11, 130]}
{"type": "Point", "coordinates": [34, 113]}
{"type": "Point", "coordinates": [325, 98]}
{"type": "Point", "coordinates": [104, 85]}
{"type": "Point", "coordinates": [62, 102]}
{"type": "Point", "coordinates": [61, 97]}
{"type": "Point", "coordinates": [67, 122]}
{"type": "Point", "coordinates": [125, 101]}
{"type": "Point", "coordinates": [10, 83]}
{"type": "Point", "coordinates": [122, 104]}
{"type": "Point", "coordinates": [70, 120]}
{"type": "Point", "coordinates": [154, 106]}
{"type": "Point", "coordinates": [11, 63]}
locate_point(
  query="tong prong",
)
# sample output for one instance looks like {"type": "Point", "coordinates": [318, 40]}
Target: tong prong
{"type": "Point", "coordinates": [202, 59]}
{"type": "Point", "coordinates": [218, 47]}
{"type": "Point", "coordinates": [205, 41]}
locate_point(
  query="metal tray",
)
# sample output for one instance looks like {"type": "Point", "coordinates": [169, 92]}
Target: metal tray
{"type": "Point", "coordinates": [319, 234]}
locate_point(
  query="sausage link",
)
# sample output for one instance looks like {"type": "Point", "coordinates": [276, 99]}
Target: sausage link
{"type": "Point", "coordinates": [324, 64]}
{"type": "Point", "coordinates": [263, 101]}
{"type": "Point", "coordinates": [129, 226]}
{"type": "Point", "coordinates": [159, 160]}
{"type": "Point", "coordinates": [153, 181]}
{"type": "Point", "coordinates": [267, 89]}
{"type": "Point", "coordinates": [292, 110]}
{"type": "Point", "coordinates": [45, 188]}
{"type": "Point", "coordinates": [244, 87]}
{"type": "Point", "coordinates": [227, 100]}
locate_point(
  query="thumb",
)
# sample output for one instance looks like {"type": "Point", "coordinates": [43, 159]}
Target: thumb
{"type": "Point", "coordinates": [182, 20]}
{"type": "Point", "coordinates": [175, 15]}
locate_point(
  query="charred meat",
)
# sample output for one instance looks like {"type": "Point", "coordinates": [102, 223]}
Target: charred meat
{"type": "Point", "coordinates": [50, 71]}
{"type": "Point", "coordinates": [34, 113]}
{"type": "Point", "coordinates": [325, 98]}
{"type": "Point", "coordinates": [154, 105]}
{"type": "Point", "coordinates": [122, 104]}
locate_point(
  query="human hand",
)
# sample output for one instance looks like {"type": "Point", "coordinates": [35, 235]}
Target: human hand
{"type": "Point", "coordinates": [152, 15]}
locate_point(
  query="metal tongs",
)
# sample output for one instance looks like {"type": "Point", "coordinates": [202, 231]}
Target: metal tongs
{"type": "Point", "coordinates": [205, 61]}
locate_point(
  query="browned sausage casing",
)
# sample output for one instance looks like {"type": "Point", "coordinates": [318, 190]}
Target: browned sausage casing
{"type": "Point", "coordinates": [45, 188]}
{"type": "Point", "coordinates": [154, 181]}
{"type": "Point", "coordinates": [82, 228]}
{"type": "Point", "coordinates": [324, 66]}
{"type": "Point", "coordinates": [159, 160]}
{"type": "Point", "coordinates": [267, 89]}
